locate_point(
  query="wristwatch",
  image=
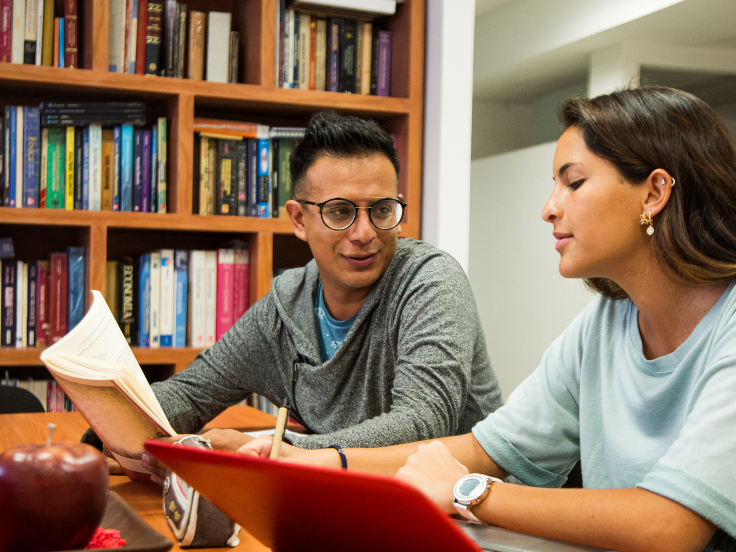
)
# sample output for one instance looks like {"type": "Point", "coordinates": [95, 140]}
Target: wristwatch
{"type": "Point", "coordinates": [471, 490]}
{"type": "Point", "coordinates": [195, 441]}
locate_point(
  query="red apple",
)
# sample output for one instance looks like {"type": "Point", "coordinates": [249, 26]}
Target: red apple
{"type": "Point", "coordinates": [51, 497]}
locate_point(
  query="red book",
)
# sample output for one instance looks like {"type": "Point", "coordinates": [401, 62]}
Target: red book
{"type": "Point", "coordinates": [241, 282]}
{"type": "Point", "coordinates": [57, 297]}
{"type": "Point", "coordinates": [42, 304]}
{"type": "Point", "coordinates": [313, 55]}
{"type": "Point", "coordinates": [56, 43]}
{"type": "Point", "coordinates": [6, 29]}
{"type": "Point", "coordinates": [225, 277]}
{"type": "Point", "coordinates": [140, 51]}
{"type": "Point", "coordinates": [71, 58]}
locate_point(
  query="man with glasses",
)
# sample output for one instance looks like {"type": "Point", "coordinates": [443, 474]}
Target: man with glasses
{"type": "Point", "coordinates": [377, 341]}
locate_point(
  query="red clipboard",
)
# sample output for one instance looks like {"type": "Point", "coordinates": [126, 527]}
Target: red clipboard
{"type": "Point", "coordinates": [289, 507]}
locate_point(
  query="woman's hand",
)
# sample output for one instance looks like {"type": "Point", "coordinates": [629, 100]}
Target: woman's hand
{"type": "Point", "coordinates": [321, 458]}
{"type": "Point", "coordinates": [433, 470]}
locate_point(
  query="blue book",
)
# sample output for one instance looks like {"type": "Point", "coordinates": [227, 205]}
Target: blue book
{"type": "Point", "coordinates": [252, 186]}
{"type": "Point", "coordinates": [144, 300]}
{"type": "Point", "coordinates": [264, 178]}
{"type": "Point", "coordinates": [75, 284]}
{"type": "Point", "coordinates": [31, 156]}
{"type": "Point", "coordinates": [78, 166]}
{"type": "Point", "coordinates": [181, 277]}
{"type": "Point", "coordinates": [116, 137]}
{"type": "Point", "coordinates": [10, 189]}
{"type": "Point", "coordinates": [146, 201]}
{"type": "Point", "coordinates": [126, 162]}
{"type": "Point", "coordinates": [61, 43]}
{"type": "Point", "coordinates": [154, 169]}
{"type": "Point", "coordinates": [137, 170]}
{"type": "Point", "coordinates": [85, 168]}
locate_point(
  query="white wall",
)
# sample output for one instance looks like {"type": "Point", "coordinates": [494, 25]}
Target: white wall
{"type": "Point", "coordinates": [500, 127]}
{"type": "Point", "coordinates": [523, 302]}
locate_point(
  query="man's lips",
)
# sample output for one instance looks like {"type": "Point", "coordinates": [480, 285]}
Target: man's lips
{"type": "Point", "coordinates": [561, 238]}
{"type": "Point", "coordinates": [360, 260]}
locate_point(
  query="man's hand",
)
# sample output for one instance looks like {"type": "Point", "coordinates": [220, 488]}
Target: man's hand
{"type": "Point", "coordinates": [228, 440]}
{"type": "Point", "coordinates": [433, 470]}
{"type": "Point", "coordinates": [321, 458]}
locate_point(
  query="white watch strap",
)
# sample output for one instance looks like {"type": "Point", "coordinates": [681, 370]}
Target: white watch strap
{"type": "Point", "coordinates": [465, 512]}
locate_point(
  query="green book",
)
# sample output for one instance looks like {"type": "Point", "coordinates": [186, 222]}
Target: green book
{"type": "Point", "coordinates": [55, 173]}
{"type": "Point", "coordinates": [286, 146]}
{"type": "Point", "coordinates": [162, 164]}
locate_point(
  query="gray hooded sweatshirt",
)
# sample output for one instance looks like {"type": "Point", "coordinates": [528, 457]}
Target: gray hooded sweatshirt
{"type": "Point", "coordinates": [413, 366]}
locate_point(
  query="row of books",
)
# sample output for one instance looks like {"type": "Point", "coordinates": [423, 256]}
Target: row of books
{"type": "Point", "coordinates": [179, 298]}
{"type": "Point", "coordinates": [336, 54]}
{"type": "Point", "coordinates": [52, 158]}
{"type": "Point", "coordinates": [30, 34]}
{"type": "Point", "coordinates": [242, 169]}
{"type": "Point", "coordinates": [41, 300]}
{"type": "Point", "coordinates": [48, 392]}
{"type": "Point", "coordinates": [159, 37]}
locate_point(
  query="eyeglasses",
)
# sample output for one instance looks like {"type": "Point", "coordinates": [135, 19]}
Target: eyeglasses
{"type": "Point", "coordinates": [340, 213]}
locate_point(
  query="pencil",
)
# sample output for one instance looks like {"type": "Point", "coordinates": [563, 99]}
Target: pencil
{"type": "Point", "coordinates": [279, 433]}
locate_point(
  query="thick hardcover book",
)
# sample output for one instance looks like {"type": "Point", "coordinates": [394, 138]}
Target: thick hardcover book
{"type": "Point", "coordinates": [71, 46]}
{"type": "Point", "coordinates": [117, 136]}
{"type": "Point", "coordinates": [126, 172]}
{"type": "Point", "coordinates": [196, 297]}
{"type": "Point", "coordinates": [108, 155]}
{"type": "Point", "coordinates": [333, 55]}
{"type": "Point", "coordinates": [85, 169]}
{"type": "Point", "coordinates": [95, 167]}
{"type": "Point", "coordinates": [127, 309]}
{"type": "Point", "coordinates": [227, 177]}
{"type": "Point", "coordinates": [242, 148]}
{"type": "Point", "coordinates": [154, 169]}
{"type": "Point", "coordinates": [75, 304]}
{"type": "Point", "coordinates": [346, 76]}
{"type": "Point", "coordinates": [154, 34]}
{"type": "Point", "coordinates": [116, 43]}
{"type": "Point", "coordinates": [8, 303]}
{"type": "Point", "coordinates": [141, 38]}
{"type": "Point", "coordinates": [285, 191]}
{"type": "Point", "coordinates": [58, 296]}
{"type": "Point", "coordinates": [210, 297]}
{"type": "Point", "coordinates": [19, 31]}
{"type": "Point", "coordinates": [32, 301]}
{"type": "Point", "coordinates": [155, 299]}
{"type": "Point", "coordinates": [146, 172]}
{"type": "Point", "coordinates": [55, 169]}
{"type": "Point", "coordinates": [46, 42]}
{"type": "Point", "coordinates": [169, 37]}
{"type": "Point", "coordinates": [225, 277]}
{"type": "Point", "coordinates": [252, 186]}
{"type": "Point", "coordinates": [195, 65]}
{"type": "Point", "coordinates": [167, 298]}
{"type": "Point", "coordinates": [241, 282]}
{"type": "Point", "coordinates": [70, 153]}
{"type": "Point", "coordinates": [264, 178]}
{"type": "Point", "coordinates": [79, 168]}
{"type": "Point", "coordinates": [6, 29]}
{"type": "Point", "coordinates": [42, 303]}
{"type": "Point", "coordinates": [232, 75]}
{"type": "Point", "coordinates": [144, 300]}
{"type": "Point", "coordinates": [366, 59]}
{"type": "Point", "coordinates": [320, 70]}
{"type": "Point", "coordinates": [19, 156]}
{"type": "Point", "coordinates": [181, 277]}
{"type": "Point", "coordinates": [31, 156]}
{"type": "Point", "coordinates": [218, 46]}
{"type": "Point", "coordinates": [305, 42]}
{"type": "Point", "coordinates": [21, 311]}
{"type": "Point", "coordinates": [42, 166]}
{"type": "Point", "coordinates": [383, 75]}
{"type": "Point", "coordinates": [137, 170]}
{"type": "Point", "coordinates": [181, 40]}
{"type": "Point", "coordinates": [162, 148]}
{"type": "Point", "coordinates": [31, 32]}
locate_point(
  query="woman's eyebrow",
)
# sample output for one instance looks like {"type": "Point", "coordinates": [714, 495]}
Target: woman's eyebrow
{"type": "Point", "coordinates": [564, 168]}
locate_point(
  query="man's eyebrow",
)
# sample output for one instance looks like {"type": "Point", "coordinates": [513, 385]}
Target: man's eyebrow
{"type": "Point", "coordinates": [564, 168]}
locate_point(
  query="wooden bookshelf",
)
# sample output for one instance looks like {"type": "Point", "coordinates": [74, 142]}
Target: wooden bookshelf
{"type": "Point", "coordinates": [108, 235]}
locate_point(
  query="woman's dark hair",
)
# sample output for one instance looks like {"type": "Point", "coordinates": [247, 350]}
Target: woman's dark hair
{"type": "Point", "coordinates": [653, 127]}
{"type": "Point", "coordinates": [329, 133]}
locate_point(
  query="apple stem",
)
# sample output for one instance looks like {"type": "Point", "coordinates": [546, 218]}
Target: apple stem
{"type": "Point", "coordinates": [52, 427]}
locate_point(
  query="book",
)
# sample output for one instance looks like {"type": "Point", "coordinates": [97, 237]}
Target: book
{"type": "Point", "coordinates": [305, 41]}
{"type": "Point", "coordinates": [32, 302]}
{"type": "Point", "coordinates": [31, 32]}
{"type": "Point", "coordinates": [6, 30]}
{"type": "Point", "coordinates": [252, 180]}
{"type": "Point", "coordinates": [42, 167]}
{"type": "Point", "coordinates": [333, 56]}
{"type": "Point", "coordinates": [131, 36]}
{"type": "Point", "coordinates": [47, 46]}
{"type": "Point", "coordinates": [203, 173]}
{"type": "Point", "coordinates": [19, 155]}
{"type": "Point", "coordinates": [230, 128]}
{"type": "Point", "coordinates": [195, 65]}
{"type": "Point", "coordinates": [212, 176]}
{"type": "Point", "coordinates": [162, 164]}
{"type": "Point", "coordinates": [21, 310]}
{"type": "Point", "coordinates": [227, 177]}
{"type": "Point", "coordinates": [242, 178]}
{"type": "Point", "coordinates": [154, 169]}
{"type": "Point", "coordinates": [97, 370]}
{"type": "Point", "coordinates": [144, 300]}
{"type": "Point", "coordinates": [155, 299]}
{"type": "Point", "coordinates": [42, 304]}
{"type": "Point", "coordinates": [31, 156]}
{"type": "Point", "coordinates": [367, 7]}
{"type": "Point", "coordinates": [366, 58]}
{"type": "Point", "coordinates": [145, 176]}
{"type": "Point", "coordinates": [225, 291]}
{"type": "Point", "coordinates": [58, 268]}
{"type": "Point", "coordinates": [218, 46]}
{"type": "Point", "coordinates": [169, 25]}
{"type": "Point", "coordinates": [210, 297]}
{"type": "Point", "coordinates": [181, 277]}
{"type": "Point", "coordinates": [241, 281]}
{"type": "Point", "coordinates": [18, 32]}
{"type": "Point", "coordinates": [79, 187]}
{"type": "Point", "coordinates": [287, 67]}
{"type": "Point", "coordinates": [107, 153]}
{"type": "Point", "coordinates": [75, 302]}
{"type": "Point", "coordinates": [141, 37]}
{"type": "Point", "coordinates": [154, 34]}
{"type": "Point", "coordinates": [7, 250]}
{"type": "Point", "coordinates": [7, 152]}
{"type": "Point", "coordinates": [264, 179]}
{"type": "Point", "coordinates": [313, 54]}
{"type": "Point", "coordinates": [95, 168]}
{"type": "Point", "coordinates": [320, 55]}
{"type": "Point", "coordinates": [7, 324]}
{"type": "Point", "coordinates": [196, 297]}
{"type": "Point", "coordinates": [126, 171]}
{"type": "Point", "coordinates": [127, 310]}
{"type": "Point", "coordinates": [275, 178]}
{"type": "Point", "coordinates": [285, 191]}
{"type": "Point", "coordinates": [181, 39]}
{"type": "Point", "coordinates": [69, 168]}
{"type": "Point", "coordinates": [357, 83]}
{"type": "Point", "coordinates": [346, 76]}
{"type": "Point", "coordinates": [55, 168]}
{"type": "Point", "coordinates": [116, 43]}
{"type": "Point", "coordinates": [111, 287]}
{"type": "Point", "coordinates": [117, 133]}
{"type": "Point", "coordinates": [232, 75]}
{"type": "Point", "coordinates": [383, 74]}
{"type": "Point", "coordinates": [70, 34]}
{"type": "Point", "coordinates": [60, 47]}
{"type": "Point", "coordinates": [167, 298]}
{"type": "Point", "coordinates": [296, 36]}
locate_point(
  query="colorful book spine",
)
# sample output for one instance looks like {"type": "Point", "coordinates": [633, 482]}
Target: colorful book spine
{"type": "Point", "coordinates": [181, 277]}
{"type": "Point", "coordinates": [19, 155]}
{"type": "Point", "coordinates": [75, 302]}
{"type": "Point", "coordinates": [132, 36]}
{"type": "Point", "coordinates": [275, 178]}
{"type": "Point", "coordinates": [242, 176]}
{"type": "Point", "coordinates": [31, 157]}
{"type": "Point", "coordinates": [313, 54]}
{"type": "Point", "coordinates": [6, 30]}
{"type": "Point", "coordinates": [296, 38]}
{"type": "Point", "coordinates": [195, 66]}
{"type": "Point", "coordinates": [21, 311]}
{"type": "Point", "coordinates": [264, 178]}
{"type": "Point", "coordinates": [252, 195]}
{"type": "Point", "coordinates": [137, 170]}
{"type": "Point", "coordinates": [95, 168]}
{"type": "Point", "coordinates": [84, 174]}
{"type": "Point", "coordinates": [321, 55]}
{"type": "Point", "coordinates": [71, 46]}
{"type": "Point", "coordinates": [32, 294]}
{"type": "Point", "coordinates": [144, 300]}
{"type": "Point", "coordinates": [146, 172]}
{"type": "Point", "coordinates": [47, 47]}
{"type": "Point", "coordinates": [42, 167]}
{"type": "Point", "coordinates": [366, 58]}
{"type": "Point", "coordinates": [227, 175]}
{"type": "Point", "coordinates": [11, 114]}
{"type": "Point", "coordinates": [31, 30]}
{"type": "Point", "coordinates": [168, 297]}
{"type": "Point", "coordinates": [117, 137]}
{"type": "Point", "coordinates": [108, 155]}
{"type": "Point", "coordinates": [126, 171]}
{"type": "Point", "coordinates": [78, 172]}
{"type": "Point", "coordinates": [346, 77]}
{"type": "Point", "coordinates": [42, 308]}
{"type": "Point", "coordinates": [141, 37]}
{"type": "Point", "coordinates": [162, 152]}
{"type": "Point", "coordinates": [333, 55]}
{"type": "Point", "coordinates": [111, 287]}
{"type": "Point", "coordinates": [196, 297]}
{"type": "Point", "coordinates": [126, 295]}
{"type": "Point", "coordinates": [69, 168]}
{"type": "Point", "coordinates": [241, 283]}
{"type": "Point", "coordinates": [203, 173]}
{"type": "Point", "coordinates": [8, 303]}
{"type": "Point", "coordinates": [61, 42]}
{"type": "Point", "coordinates": [6, 157]}
{"type": "Point", "coordinates": [383, 82]}
{"type": "Point", "coordinates": [58, 297]}
{"type": "Point", "coordinates": [154, 33]}
{"type": "Point", "coordinates": [210, 299]}
{"type": "Point", "coordinates": [155, 299]}
{"type": "Point", "coordinates": [225, 292]}
{"type": "Point", "coordinates": [285, 191]}
{"type": "Point", "coordinates": [55, 173]}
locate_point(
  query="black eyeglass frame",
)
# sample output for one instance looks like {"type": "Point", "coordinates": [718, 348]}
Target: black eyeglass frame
{"type": "Point", "coordinates": [355, 215]}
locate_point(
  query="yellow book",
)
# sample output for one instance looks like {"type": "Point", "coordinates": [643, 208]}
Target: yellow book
{"type": "Point", "coordinates": [108, 152]}
{"type": "Point", "coordinates": [69, 168]}
{"type": "Point", "coordinates": [47, 41]}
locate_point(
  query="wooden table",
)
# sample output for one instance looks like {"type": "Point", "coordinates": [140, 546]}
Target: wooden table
{"type": "Point", "coordinates": [16, 429]}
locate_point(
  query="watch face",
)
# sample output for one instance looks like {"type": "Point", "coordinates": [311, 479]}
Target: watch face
{"type": "Point", "coordinates": [470, 487]}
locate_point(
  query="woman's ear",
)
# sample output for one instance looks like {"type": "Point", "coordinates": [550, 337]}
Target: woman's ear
{"type": "Point", "coordinates": [658, 188]}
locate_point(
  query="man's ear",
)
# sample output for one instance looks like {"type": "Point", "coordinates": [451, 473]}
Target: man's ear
{"type": "Point", "coordinates": [296, 214]}
{"type": "Point", "coordinates": [658, 188]}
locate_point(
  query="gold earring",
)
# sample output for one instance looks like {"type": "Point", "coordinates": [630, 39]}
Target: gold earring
{"type": "Point", "coordinates": [647, 219]}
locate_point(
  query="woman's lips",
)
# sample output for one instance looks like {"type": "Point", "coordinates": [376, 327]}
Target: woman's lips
{"type": "Point", "coordinates": [562, 239]}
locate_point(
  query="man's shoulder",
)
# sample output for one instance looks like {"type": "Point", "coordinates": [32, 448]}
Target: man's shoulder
{"type": "Point", "coordinates": [418, 258]}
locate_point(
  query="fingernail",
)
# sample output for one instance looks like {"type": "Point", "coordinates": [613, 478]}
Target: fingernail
{"type": "Point", "coordinates": [144, 457]}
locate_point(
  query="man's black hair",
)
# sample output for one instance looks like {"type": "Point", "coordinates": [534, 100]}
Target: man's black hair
{"type": "Point", "coordinates": [329, 133]}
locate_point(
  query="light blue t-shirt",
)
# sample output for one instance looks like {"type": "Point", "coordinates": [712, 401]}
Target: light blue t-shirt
{"type": "Point", "coordinates": [331, 332]}
{"type": "Point", "coordinates": [667, 425]}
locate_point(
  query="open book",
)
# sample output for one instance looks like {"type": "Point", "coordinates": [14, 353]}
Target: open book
{"type": "Point", "coordinates": [97, 369]}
